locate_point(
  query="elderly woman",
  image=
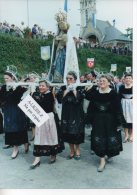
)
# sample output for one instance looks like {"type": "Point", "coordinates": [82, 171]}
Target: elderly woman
{"type": "Point", "coordinates": [47, 141]}
{"type": "Point", "coordinates": [72, 120]}
{"type": "Point", "coordinates": [106, 118]}
{"type": "Point", "coordinates": [14, 119]}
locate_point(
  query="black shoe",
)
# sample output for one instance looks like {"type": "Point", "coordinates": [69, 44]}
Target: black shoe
{"type": "Point", "coordinates": [69, 157]}
{"type": "Point", "coordinates": [52, 161]}
{"type": "Point", "coordinates": [34, 166]}
{"type": "Point", "coordinates": [77, 157]}
{"type": "Point", "coordinates": [27, 149]}
{"type": "Point", "coordinates": [126, 140]}
{"type": "Point", "coordinates": [6, 147]}
{"type": "Point", "coordinates": [15, 155]}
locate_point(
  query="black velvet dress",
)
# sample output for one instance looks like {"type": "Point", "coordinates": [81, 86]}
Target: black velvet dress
{"type": "Point", "coordinates": [46, 101]}
{"type": "Point", "coordinates": [105, 115]}
{"type": "Point", "coordinates": [72, 119]}
{"type": "Point", "coordinates": [15, 125]}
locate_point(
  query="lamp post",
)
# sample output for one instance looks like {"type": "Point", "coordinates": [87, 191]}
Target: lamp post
{"type": "Point", "coordinates": [28, 12]}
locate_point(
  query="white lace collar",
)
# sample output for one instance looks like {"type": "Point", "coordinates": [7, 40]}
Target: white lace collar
{"type": "Point", "coordinates": [46, 92]}
{"type": "Point", "coordinates": [128, 86]}
{"type": "Point", "coordinates": [105, 91]}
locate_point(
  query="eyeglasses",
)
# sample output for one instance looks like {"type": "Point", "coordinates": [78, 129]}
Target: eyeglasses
{"type": "Point", "coordinates": [69, 78]}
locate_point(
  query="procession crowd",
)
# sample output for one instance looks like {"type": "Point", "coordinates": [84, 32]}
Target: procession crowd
{"type": "Point", "coordinates": [102, 102]}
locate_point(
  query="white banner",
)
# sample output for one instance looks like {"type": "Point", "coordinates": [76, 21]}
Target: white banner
{"type": "Point", "coordinates": [128, 69]}
{"type": "Point", "coordinates": [113, 67]}
{"type": "Point", "coordinates": [71, 63]}
{"type": "Point", "coordinates": [32, 109]}
{"type": "Point", "coordinates": [45, 52]}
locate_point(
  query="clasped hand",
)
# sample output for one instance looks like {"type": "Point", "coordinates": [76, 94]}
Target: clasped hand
{"type": "Point", "coordinates": [71, 87]}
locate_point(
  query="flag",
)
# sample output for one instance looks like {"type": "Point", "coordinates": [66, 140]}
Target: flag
{"type": "Point", "coordinates": [66, 5]}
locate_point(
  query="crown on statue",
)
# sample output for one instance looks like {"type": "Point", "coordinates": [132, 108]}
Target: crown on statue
{"type": "Point", "coordinates": [61, 18]}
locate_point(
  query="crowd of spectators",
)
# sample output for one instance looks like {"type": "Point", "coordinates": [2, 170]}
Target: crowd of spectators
{"type": "Point", "coordinates": [6, 28]}
{"type": "Point", "coordinates": [36, 32]}
{"type": "Point", "coordinates": [85, 43]}
{"type": "Point", "coordinates": [120, 50]}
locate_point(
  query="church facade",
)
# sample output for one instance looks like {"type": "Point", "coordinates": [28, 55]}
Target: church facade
{"type": "Point", "coordinates": [99, 31]}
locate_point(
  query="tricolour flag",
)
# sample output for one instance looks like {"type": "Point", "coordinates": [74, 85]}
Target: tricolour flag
{"type": "Point", "coordinates": [66, 5]}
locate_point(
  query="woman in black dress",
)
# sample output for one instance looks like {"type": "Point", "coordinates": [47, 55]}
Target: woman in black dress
{"type": "Point", "coordinates": [14, 119]}
{"type": "Point", "coordinates": [106, 117]}
{"type": "Point", "coordinates": [47, 141]}
{"type": "Point", "coordinates": [72, 119]}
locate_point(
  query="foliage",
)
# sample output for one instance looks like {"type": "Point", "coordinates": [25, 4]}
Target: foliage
{"type": "Point", "coordinates": [102, 60]}
{"type": "Point", "coordinates": [25, 55]}
{"type": "Point", "coordinates": [22, 53]}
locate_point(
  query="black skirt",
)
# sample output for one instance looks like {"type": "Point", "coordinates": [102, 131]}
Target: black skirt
{"type": "Point", "coordinates": [128, 125]}
{"type": "Point", "coordinates": [16, 138]}
{"type": "Point", "coordinates": [105, 139]}
{"type": "Point", "coordinates": [74, 138]}
{"type": "Point", "coordinates": [47, 150]}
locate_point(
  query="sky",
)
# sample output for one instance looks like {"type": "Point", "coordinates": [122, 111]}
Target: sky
{"type": "Point", "coordinates": [42, 12]}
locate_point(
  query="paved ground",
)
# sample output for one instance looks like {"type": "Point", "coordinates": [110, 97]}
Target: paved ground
{"type": "Point", "coordinates": [65, 174]}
